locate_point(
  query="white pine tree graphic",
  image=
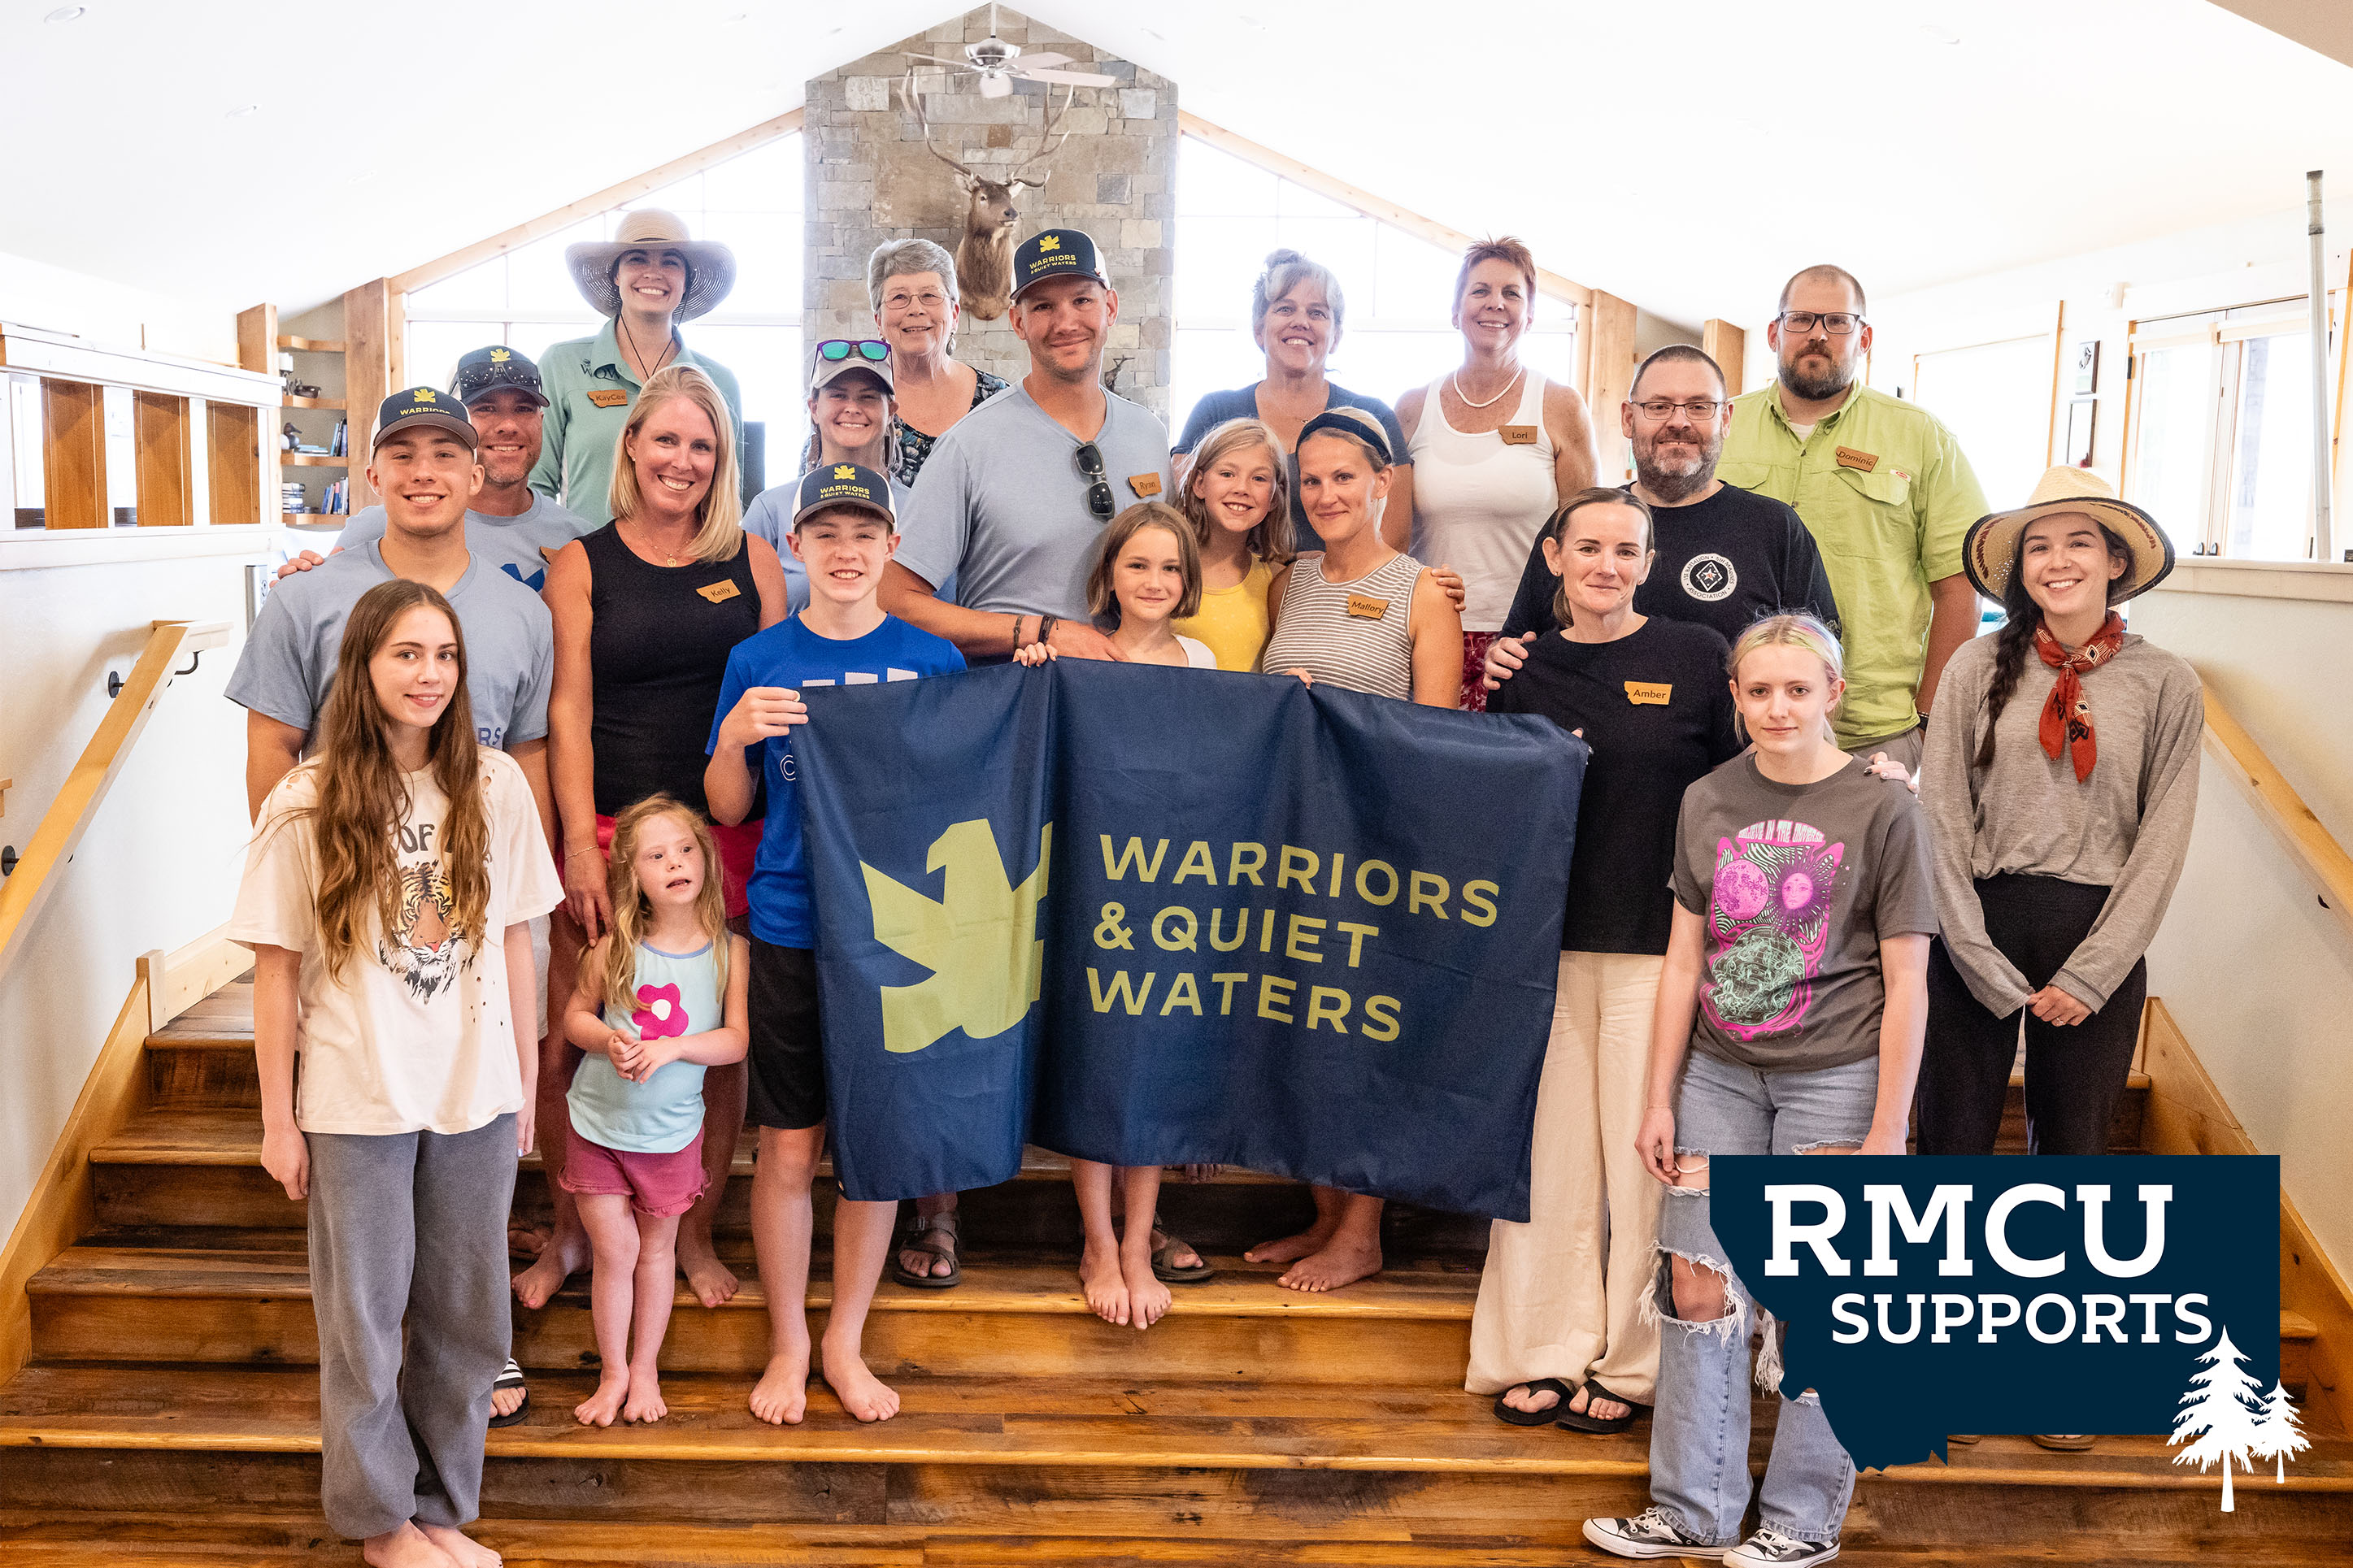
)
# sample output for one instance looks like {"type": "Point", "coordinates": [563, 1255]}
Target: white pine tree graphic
{"type": "Point", "coordinates": [2277, 1434]}
{"type": "Point", "coordinates": [2221, 1406]}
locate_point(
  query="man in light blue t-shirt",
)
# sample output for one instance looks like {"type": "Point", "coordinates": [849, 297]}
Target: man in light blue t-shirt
{"type": "Point", "coordinates": [1013, 498]}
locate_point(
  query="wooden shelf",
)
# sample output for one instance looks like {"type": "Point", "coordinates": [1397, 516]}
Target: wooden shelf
{"type": "Point", "coordinates": [314, 519]}
{"type": "Point", "coordinates": [292, 402]}
{"type": "Point", "coordinates": [310, 345]}
{"type": "Point", "coordinates": [312, 460]}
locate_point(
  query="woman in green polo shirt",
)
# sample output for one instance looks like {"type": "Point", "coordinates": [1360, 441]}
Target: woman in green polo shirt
{"type": "Point", "coordinates": [646, 281]}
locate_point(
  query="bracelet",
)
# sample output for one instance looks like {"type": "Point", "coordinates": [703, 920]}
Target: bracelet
{"type": "Point", "coordinates": [583, 849]}
{"type": "Point", "coordinates": [1045, 628]}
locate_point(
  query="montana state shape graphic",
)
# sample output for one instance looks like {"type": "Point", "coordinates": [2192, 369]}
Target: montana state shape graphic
{"type": "Point", "coordinates": [980, 941]}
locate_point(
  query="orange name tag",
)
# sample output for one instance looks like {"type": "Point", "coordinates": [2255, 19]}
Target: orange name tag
{"type": "Point", "coordinates": [1648, 693]}
{"type": "Point", "coordinates": [1518, 435]}
{"type": "Point", "coordinates": [1848, 458]}
{"type": "Point", "coordinates": [1144, 485]}
{"type": "Point", "coordinates": [615, 398]}
{"type": "Point", "coordinates": [719, 593]}
{"type": "Point", "coordinates": [1365, 607]}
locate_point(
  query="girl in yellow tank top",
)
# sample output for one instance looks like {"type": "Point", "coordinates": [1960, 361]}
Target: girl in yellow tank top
{"type": "Point", "coordinates": [1236, 497]}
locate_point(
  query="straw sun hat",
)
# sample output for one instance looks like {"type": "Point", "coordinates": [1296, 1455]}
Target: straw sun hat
{"type": "Point", "coordinates": [710, 267]}
{"type": "Point", "coordinates": [1993, 542]}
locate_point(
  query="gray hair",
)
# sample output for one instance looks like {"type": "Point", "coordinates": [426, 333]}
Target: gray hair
{"type": "Point", "coordinates": [1286, 270]}
{"type": "Point", "coordinates": [899, 258]}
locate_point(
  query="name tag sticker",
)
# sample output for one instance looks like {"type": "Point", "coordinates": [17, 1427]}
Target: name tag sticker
{"type": "Point", "coordinates": [1648, 693]}
{"type": "Point", "coordinates": [1365, 607]}
{"type": "Point", "coordinates": [1848, 458]}
{"type": "Point", "coordinates": [1518, 435]}
{"type": "Point", "coordinates": [1144, 485]}
{"type": "Point", "coordinates": [615, 398]}
{"type": "Point", "coordinates": [719, 593]}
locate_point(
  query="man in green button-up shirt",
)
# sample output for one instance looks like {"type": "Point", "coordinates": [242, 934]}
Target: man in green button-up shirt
{"type": "Point", "coordinates": [1887, 494]}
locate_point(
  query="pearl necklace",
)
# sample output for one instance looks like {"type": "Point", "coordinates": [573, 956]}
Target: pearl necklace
{"type": "Point", "coordinates": [1457, 380]}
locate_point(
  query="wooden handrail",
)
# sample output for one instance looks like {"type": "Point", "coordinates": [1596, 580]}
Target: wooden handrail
{"type": "Point", "coordinates": [2300, 833]}
{"type": "Point", "coordinates": [52, 844]}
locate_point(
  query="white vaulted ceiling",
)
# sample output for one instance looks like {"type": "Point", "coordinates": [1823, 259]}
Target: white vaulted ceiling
{"type": "Point", "coordinates": [1686, 155]}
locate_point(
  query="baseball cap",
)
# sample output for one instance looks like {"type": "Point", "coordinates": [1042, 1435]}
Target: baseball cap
{"type": "Point", "coordinates": [1056, 253]}
{"type": "Point", "coordinates": [845, 484]}
{"type": "Point", "coordinates": [421, 405]}
{"type": "Point", "coordinates": [492, 369]}
{"type": "Point", "coordinates": [837, 357]}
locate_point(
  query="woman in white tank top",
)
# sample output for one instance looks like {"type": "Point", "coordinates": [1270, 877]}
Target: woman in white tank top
{"type": "Point", "coordinates": [1494, 447]}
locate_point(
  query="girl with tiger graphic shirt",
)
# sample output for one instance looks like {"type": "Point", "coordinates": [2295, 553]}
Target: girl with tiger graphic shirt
{"type": "Point", "coordinates": [1790, 1018]}
{"type": "Point", "coordinates": [660, 998]}
{"type": "Point", "coordinates": [387, 897]}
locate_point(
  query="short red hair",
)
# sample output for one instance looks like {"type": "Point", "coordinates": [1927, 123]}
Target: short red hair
{"type": "Point", "coordinates": [1508, 248]}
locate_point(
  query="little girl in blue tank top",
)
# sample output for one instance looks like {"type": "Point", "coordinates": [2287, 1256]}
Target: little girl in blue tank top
{"type": "Point", "coordinates": [658, 1000]}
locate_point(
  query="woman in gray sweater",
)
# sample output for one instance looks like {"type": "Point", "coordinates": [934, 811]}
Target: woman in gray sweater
{"type": "Point", "coordinates": [2060, 778]}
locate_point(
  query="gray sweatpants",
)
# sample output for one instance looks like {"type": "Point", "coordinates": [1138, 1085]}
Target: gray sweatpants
{"type": "Point", "coordinates": [409, 1227]}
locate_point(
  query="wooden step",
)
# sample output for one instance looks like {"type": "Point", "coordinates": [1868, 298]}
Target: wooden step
{"type": "Point", "coordinates": [249, 1300]}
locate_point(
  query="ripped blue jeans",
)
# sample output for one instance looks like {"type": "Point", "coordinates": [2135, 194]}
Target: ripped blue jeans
{"type": "Point", "coordinates": [1699, 1432]}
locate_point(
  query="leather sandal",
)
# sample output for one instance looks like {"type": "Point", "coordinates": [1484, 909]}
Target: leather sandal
{"type": "Point", "coordinates": [1166, 1271]}
{"type": "Point", "coordinates": [1512, 1416]}
{"type": "Point", "coordinates": [935, 1235]}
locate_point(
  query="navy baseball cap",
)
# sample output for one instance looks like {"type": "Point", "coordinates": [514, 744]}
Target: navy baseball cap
{"type": "Point", "coordinates": [421, 406]}
{"type": "Point", "coordinates": [845, 484]}
{"type": "Point", "coordinates": [493, 369]}
{"type": "Point", "coordinates": [1056, 253]}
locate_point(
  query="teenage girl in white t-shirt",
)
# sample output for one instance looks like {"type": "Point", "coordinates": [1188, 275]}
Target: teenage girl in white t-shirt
{"type": "Point", "coordinates": [387, 898]}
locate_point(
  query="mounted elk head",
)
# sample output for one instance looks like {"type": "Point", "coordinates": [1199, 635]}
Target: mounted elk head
{"type": "Point", "coordinates": [984, 258]}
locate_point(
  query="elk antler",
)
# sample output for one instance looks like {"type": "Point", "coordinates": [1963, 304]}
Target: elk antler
{"type": "Point", "coordinates": [914, 101]}
{"type": "Point", "coordinates": [1045, 152]}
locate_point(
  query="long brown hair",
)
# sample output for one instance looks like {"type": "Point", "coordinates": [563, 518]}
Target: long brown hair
{"type": "Point", "coordinates": [2022, 618]}
{"type": "Point", "coordinates": [616, 971]}
{"type": "Point", "coordinates": [363, 797]}
{"type": "Point", "coordinates": [1271, 540]}
{"type": "Point", "coordinates": [1102, 600]}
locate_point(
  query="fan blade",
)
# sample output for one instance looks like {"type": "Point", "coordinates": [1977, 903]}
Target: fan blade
{"type": "Point", "coordinates": [995, 84]}
{"type": "Point", "coordinates": [1075, 78]}
{"type": "Point", "coordinates": [935, 59]}
{"type": "Point", "coordinates": [1048, 58]}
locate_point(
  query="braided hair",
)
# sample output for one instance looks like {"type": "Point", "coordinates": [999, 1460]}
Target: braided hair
{"type": "Point", "coordinates": [2022, 617]}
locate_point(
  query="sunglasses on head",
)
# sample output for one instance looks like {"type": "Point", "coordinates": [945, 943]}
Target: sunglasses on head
{"type": "Point", "coordinates": [1089, 457]}
{"type": "Point", "coordinates": [835, 349]}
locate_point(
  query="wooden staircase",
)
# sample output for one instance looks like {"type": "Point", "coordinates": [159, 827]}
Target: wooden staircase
{"type": "Point", "coordinates": [169, 1416]}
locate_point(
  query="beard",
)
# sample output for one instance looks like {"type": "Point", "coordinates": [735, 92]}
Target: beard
{"type": "Point", "coordinates": [1677, 479]}
{"type": "Point", "coordinates": [1816, 388]}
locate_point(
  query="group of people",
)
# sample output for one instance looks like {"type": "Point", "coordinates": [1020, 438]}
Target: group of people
{"type": "Point", "coordinates": [528, 869]}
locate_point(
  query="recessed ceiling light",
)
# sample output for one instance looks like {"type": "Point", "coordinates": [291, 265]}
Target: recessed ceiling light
{"type": "Point", "coordinates": [67, 14]}
{"type": "Point", "coordinates": [240, 113]}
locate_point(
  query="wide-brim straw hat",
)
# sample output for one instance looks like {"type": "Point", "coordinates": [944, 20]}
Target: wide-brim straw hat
{"type": "Point", "coordinates": [1992, 546]}
{"type": "Point", "coordinates": [710, 266]}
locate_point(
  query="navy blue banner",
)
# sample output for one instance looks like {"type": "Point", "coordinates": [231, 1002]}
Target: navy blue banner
{"type": "Point", "coordinates": [1925, 1296]}
{"type": "Point", "coordinates": [1309, 932]}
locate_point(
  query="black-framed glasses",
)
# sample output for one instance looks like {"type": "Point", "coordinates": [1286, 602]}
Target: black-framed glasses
{"type": "Point", "coordinates": [1837, 323]}
{"type": "Point", "coordinates": [835, 349]}
{"type": "Point", "coordinates": [1089, 458]}
{"type": "Point", "coordinates": [1658, 409]}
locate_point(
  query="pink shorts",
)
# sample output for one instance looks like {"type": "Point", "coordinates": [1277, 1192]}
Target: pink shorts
{"type": "Point", "coordinates": [657, 1186]}
{"type": "Point", "coordinates": [739, 847]}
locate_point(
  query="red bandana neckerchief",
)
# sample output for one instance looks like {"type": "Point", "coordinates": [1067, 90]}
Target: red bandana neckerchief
{"type": "Point", "coordinates": [2066, 716]}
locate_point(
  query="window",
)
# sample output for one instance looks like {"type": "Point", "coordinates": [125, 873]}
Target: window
{"type": "Point", "coordinates": [1996, 399]}
{"type": "Point", "coordinates": [1400, 288]}
{"type": "Point", "coordinates": [2223, 430]}
{"type": "Point", "coordinates": [525, 298]}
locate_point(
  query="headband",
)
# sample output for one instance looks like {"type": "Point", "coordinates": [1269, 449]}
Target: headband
{"type": "Point", "coordinates": [1348, 423]}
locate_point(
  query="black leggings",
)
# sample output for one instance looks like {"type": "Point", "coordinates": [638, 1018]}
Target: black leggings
{"type": "Point", "coordinates": [2074, 1075]}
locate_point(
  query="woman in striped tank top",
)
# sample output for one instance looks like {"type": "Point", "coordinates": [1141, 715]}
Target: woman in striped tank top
{"type": "Point", "coordinates": [1361, 615]}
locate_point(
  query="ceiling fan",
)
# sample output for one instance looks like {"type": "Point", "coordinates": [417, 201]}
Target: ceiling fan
{"type": "Point", "coordinates": [997, 63]}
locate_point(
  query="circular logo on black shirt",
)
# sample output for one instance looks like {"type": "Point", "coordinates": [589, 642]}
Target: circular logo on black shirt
{"type": "Point", "coordinates": [1709, 578]}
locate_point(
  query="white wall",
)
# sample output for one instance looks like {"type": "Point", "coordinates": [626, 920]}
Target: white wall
{"type": "Point", "coordinates": [36, 294]}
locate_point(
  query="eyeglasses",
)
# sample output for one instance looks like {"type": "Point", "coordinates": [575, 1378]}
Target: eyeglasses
{"type": "Point", "coordinates": [1837, 323]}
{"type": "Point", "coordinates": [1089, 458]}
{"type": "Point", "coordinates": [1658, 409]}
{"type": "Point", "coordinates": [899, 299]}
{"type": "Point", "coordinates": [835, 349]}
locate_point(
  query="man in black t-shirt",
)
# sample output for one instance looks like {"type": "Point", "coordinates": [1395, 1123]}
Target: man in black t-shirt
{"type": "Point", "coordinates": [1726, 555]}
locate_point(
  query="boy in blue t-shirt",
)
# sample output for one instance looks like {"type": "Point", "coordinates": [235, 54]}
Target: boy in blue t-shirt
{"type": "Point", "coordinates": [843, 533]}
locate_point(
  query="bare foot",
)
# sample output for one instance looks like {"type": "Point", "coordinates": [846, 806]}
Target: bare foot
{"type": "Point", "coordinates": [645, 1401]}
{"type": "Point", "coordinates": [862, 1392]}
{"type": "Point", "coordinates": [1586, 1403]}
{"type": "Point", "coordinates": [507, 1401]}
{"type": "Point", "coordinates": [1183, 1257]}
{"type": "Point", "coordinates": [1104, 1284]}
{"type": "Point", "coordinates": [407, 1547]}
{"type": "Point", "coordinates": [461, 1547]}
{"type": "Point", "coordinates": [526, 1240]}
{"type": "Point", "coordinates": [557, 1262]}
{"type": "Point", "coordinates": [713, 1282]}
{"type": "Point", "coordinates": [1148, 1298]}
{"type": "Point", "coordinates": [1202, 1172]}
{"type": "Point", "coordinates": [1337, 1264]}
{"type": "Point", "coordinates": [1520, 1397]}
{"type": "Point", "coordinates": [1292, 1249]}
{"type": "Point", "coordinates": [781, 1397]}
{"type": "Point", "coordinates": [599, 1408]}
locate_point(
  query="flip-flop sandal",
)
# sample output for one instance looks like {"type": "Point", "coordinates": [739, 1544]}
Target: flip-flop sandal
{"type": "Point", "coordinates": [1544, 1417]}
{"type": "Point", "coordinates": [936, 1237]}
{"type": "Point", "coordinates": [511, 1378]}
{"type": "Point", "coordinates": [1167, 1273]}
{"type": "Point", "coordinates": [1578, 1421]}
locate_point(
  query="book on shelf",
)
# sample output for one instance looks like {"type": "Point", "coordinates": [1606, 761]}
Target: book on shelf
{"type": "Point", "coordinates": [343, 438]}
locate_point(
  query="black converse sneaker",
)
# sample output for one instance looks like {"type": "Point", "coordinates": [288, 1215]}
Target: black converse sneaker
{"type": "Point", "coordinates": [1650, 1535]}
{"type": "Point", "coordinates": [1768, 1548]}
